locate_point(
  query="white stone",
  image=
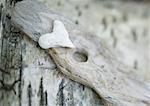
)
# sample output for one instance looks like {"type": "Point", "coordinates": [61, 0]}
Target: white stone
{"type": "Point", "coordinates": [58, 38]}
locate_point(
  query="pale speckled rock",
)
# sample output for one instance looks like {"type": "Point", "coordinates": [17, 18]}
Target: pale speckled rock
{"type": "Point", "coordinates": [59, 37]}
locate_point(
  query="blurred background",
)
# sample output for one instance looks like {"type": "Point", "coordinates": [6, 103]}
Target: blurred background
{"type": "Point", "coordinates": [123, 24]}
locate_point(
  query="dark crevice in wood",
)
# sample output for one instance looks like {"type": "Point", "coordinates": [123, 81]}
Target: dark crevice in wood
{"type": "Point", "coordinates": [8, 87]}
{"type": "Point", "coordinates": [104, 23]}
{"type": "Point", "coordinates": [59, 3]}
{"type": "Point", "coordinates": [136, 64]}
{"type": "Point", "coordinates": [86, 6]}
{"type": "Point", "coordinates": [4, 72]}
{"type": "Point", "coordinates": [76, 22]}
{"type": "Point", "coordinates": [41, 93]}
{"type": "Point", "coordinates": [134, 35]}
{"type": "Point", "coordinates": [60, 95]}
{"type": "Point", "coordinates": [20, 83]}
{"type": "Point", "coordinates": [29, 90]}
{"type": "Point", "coordinates": [46, 99]}
{"type": "Point", "coordinates": [1, 8]}
{"type": "Point", "coordinates": [125, 17]}
{"type": "Point", "coordinates": [69, 100]}
{"type": "Point", "coordinates": [114, 38]}
{"type": "Point", "coordinates": [83, 87]}
{"type": "Point", "coordinates": [79, 13]}
{"type": "Point", "coordinates": [13, 2]}
{"type": "Point", "coordinates": [114, 19]}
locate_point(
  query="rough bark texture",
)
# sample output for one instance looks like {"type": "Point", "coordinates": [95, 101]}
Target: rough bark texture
{"type": "Point", "coordinates": [41, 83]}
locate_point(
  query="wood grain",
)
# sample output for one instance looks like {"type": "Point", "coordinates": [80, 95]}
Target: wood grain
{"type": "Point", "coordinates": [29, 77]}
{"type": "Point", "coordinates": [91, 63]}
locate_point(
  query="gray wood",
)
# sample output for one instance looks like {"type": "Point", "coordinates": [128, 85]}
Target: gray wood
{"type": "Point", "coordinates": [123, 25]}
{"type": "Point", "coordinates": [100, 69]}
{"type": "Point", "coordinates": [29, 77]}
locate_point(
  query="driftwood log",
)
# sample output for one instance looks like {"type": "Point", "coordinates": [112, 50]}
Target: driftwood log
{"type": "Point", "coordinates": [91, 63]}
{"type": "Point", "coordinates": [29, 77]}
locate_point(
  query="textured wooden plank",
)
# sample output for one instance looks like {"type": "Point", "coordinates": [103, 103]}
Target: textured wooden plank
{"type": "Point", "coordinates": [100, 66]}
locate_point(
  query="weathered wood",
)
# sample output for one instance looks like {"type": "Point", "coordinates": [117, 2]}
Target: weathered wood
{"type": "Point", "coordinates": [99, 68]}
{"type": "Point", "coordinates": [10, 60]}
{"type": "Point", "coordinates": [123, 25]}
{"type": "Point", "coordinates": [28, 75]}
